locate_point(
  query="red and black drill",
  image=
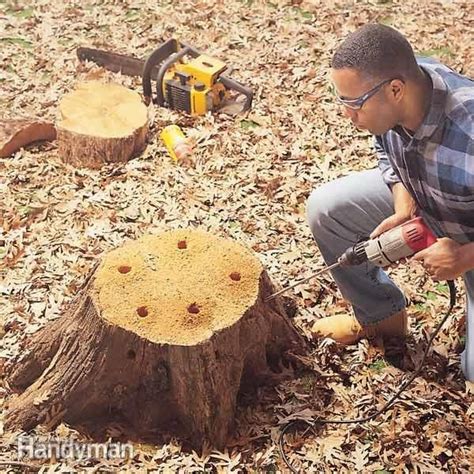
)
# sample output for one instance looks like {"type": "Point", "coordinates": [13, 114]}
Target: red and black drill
{"type": "Point", "coordinates": [388, 248]}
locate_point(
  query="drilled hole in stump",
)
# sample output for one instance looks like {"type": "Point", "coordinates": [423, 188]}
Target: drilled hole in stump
{"type": "Point", "coordinates": [142, 311]}
{"type": "Point", "coordinates": [131, 354]}
{"type": "Point", "coordinates": [182, 244]}
{"type": "Point", "coordinates": [235, 276]}
{"type": "Point", "coordinates": [193, 308]}
{"type": "Point", "coordinates": [124, 268]}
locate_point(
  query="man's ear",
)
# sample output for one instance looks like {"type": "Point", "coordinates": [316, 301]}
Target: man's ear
{"type": "Point", "coordinates": [397, 89]}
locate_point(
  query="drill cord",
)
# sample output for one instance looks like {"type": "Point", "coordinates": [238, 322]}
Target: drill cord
{"type": "Point", "coordinates": [403, 386]}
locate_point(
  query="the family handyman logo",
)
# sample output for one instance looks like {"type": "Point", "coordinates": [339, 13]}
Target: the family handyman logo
{"type": "Point", "coordinates": [32, 447]}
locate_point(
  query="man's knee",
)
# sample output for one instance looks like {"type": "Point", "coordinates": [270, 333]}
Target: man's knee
{"type": "Point", "coordinates": [324, 203]}
{"type": "Point", "coordinates": [359, 201]}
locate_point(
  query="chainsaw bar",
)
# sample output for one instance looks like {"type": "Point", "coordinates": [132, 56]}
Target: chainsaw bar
{"type": "Point", "coordinates": [127, 65]}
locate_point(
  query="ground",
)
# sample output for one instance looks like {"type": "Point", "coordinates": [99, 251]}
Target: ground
{"type": "Point", "coordinates": [249, 181]}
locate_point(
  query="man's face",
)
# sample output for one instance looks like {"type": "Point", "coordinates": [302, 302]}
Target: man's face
{"type": "Point", "coordinates": [379, 113]}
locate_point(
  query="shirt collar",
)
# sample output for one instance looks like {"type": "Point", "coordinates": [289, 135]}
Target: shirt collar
{"type": "Point", "coordinates": [437, 107]}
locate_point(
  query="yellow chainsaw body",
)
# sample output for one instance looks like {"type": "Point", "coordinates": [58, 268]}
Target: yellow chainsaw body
{"type": "Point", "coordinates": [193, 86]}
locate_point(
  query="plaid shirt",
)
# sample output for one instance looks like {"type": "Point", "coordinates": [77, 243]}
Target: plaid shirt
{"type": "Point", "coordinates": [436, 165]}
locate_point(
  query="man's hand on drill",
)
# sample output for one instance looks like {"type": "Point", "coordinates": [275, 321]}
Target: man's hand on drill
{"type": "Point", "coordinates": [389, 223]}
{"type": "Point", "coordinates": [446, 259]}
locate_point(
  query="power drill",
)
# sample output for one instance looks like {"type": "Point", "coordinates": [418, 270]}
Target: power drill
{"type": "Point", "coordinates": [388, 248]}
{"type": "Point", "coordinates": [391, 246]}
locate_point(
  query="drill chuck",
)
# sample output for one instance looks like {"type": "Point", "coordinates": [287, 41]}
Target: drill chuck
{"type": "Point", "coordinates": [354, 255]}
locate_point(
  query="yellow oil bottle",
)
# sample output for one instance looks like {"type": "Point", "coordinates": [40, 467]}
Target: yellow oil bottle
{"type": "Point", "coordinates": [176, 142]}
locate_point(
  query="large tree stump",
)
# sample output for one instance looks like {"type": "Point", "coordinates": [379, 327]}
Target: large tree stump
{"type": "Point", "coordinates": [165, 334]}
{"type": "Point", "coordinates": [101, 123]}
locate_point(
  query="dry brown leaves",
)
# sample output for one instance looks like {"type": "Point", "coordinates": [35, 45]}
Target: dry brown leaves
{"type": "Point", "coordinates": [249, 181]}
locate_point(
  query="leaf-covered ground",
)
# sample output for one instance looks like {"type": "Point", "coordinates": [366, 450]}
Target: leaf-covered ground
{"type": "Point", "coordinates": [249, 181]}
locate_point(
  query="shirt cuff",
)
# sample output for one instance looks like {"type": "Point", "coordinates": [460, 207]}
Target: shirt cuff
{"type": "Point", "coordinates": [388, 175]}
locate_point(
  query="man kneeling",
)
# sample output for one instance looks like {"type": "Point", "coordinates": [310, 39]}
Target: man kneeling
{"type": "Point", "coordinates": [421, 114]}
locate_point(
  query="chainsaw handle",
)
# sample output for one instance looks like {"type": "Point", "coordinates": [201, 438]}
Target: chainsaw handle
{"type": "Point", "coordinates": [165, 50]}
{"type": "Point", "coordinates": [167, 63]}
{"type": "Point", "coordinates": [237, 86]}
{"type": "Point", "coordinates": [166, 55]}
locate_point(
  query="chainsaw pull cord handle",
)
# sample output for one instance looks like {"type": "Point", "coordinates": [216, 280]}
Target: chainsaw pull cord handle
{"type": "Point", "coordinates": [311, 424]}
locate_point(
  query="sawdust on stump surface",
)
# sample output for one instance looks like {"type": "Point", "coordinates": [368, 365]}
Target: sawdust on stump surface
{"type": "Point", "coordinates": [101, 123]}
{"type": "Point", "coordinates": [178, 288]}
{"type": "Point", "coordinates": [164, 335]}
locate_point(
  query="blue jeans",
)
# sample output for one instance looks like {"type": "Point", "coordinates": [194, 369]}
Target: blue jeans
{"type": "Point", "coordinates": [348, 208]}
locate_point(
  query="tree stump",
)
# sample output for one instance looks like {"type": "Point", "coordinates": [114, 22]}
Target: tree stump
{"type": "Point", "coordinates": [101, 123]}
{"type": "Point", "coordinates": [164, 334]}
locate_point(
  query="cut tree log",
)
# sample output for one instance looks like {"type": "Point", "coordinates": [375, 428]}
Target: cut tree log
{"type": "Point", "coordinates": [17, 133]}
{"type": "Point", "coordinates": [101, 123]}
{"type": "Point", "coordinates": [163, 336]}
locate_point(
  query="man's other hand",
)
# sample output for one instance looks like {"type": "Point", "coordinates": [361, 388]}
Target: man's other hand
{"type": "Point", "coordinates": [445, 259]}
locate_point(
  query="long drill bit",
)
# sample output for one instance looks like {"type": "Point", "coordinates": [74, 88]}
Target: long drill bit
{"type": "Point", "coordinates": [319, 272]}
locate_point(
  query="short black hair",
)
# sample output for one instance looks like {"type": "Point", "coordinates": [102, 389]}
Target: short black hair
{"type": "Point", "coordinates": [378, 51]}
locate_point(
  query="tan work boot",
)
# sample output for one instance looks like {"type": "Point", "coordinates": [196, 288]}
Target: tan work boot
{"type": "Point", "coordinates": [345, 328]}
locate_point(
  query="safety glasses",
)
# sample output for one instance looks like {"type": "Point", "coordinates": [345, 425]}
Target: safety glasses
{"type": "Point", "coordinates": [357, 104]}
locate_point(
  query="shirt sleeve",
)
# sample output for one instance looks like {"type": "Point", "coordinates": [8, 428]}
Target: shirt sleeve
{"type": "Point", "coordinates": [388, 174]}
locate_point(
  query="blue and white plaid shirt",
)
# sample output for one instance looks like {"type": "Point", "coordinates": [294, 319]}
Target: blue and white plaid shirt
{"type": "Point", "coordinates": [436, 165]}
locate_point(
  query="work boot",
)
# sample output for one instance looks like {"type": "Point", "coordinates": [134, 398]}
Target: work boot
{"type": "Point", "coordinates": [345, 328]}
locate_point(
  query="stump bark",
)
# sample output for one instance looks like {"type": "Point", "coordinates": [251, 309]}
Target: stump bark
{"type": "Point", "coordinates": [164, 335]}
{"type": "Point", "coordinates": [101, 123]}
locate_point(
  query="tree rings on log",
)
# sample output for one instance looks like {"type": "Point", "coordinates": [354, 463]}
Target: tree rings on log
{"type": "Point", "coordinates": [101, 123]}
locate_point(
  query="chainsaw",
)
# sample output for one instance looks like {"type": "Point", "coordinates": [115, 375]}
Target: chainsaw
{"type": "Point", "coordinates": [186, 80]}
{"type": "Point", "coordinates": [388, 248]}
